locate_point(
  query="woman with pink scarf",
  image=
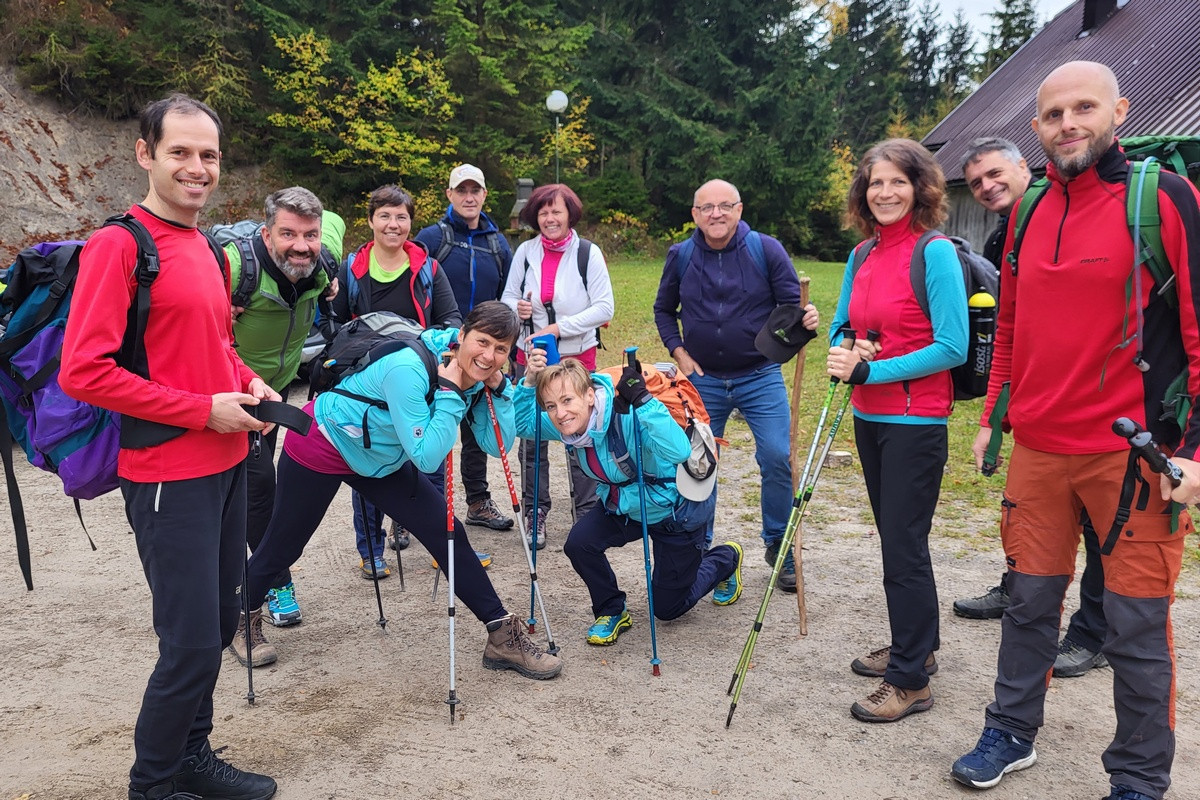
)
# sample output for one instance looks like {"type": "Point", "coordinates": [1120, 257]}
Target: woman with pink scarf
{"type": "Point", "coordinates": [558, 285]}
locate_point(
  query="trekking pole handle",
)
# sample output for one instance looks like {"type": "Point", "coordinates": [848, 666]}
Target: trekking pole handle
{"type": "Point", "coordinates": [631, 356]}
{"type": "Point", "coordinates": [1144, 445]}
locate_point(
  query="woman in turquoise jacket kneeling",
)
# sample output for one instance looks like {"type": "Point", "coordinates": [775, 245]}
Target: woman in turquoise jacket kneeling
{"type": "Point", "coordinates": [592, 419]}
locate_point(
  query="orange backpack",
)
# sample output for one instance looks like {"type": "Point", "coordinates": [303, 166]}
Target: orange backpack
{"type": "Point", "coordinates": [676, 393]}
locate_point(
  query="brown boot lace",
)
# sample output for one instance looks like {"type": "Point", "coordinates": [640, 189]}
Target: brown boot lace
{"type": "Point", "coordinates": [518, 639]}
{"type": "Point", "coordinates": [880, 695]}
{"type": "Point", "coordinates": [256, 630]}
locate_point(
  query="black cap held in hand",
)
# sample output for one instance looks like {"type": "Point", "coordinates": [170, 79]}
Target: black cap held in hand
{"type": "Point", "coordinates": [784, 334]}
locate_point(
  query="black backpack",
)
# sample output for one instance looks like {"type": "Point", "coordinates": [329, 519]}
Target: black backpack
{"type": "Point", "coordinates": [361, 342]}
{"type": "Point", "coordinates": [979, 275]}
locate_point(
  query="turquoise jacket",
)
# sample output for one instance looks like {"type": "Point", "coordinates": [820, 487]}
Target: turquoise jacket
{"type": "Point", "coordinates": [410, 429]}
{"type": "Point", "coordinates": [664, 447]}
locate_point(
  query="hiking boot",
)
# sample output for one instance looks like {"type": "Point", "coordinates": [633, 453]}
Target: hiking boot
{"type": "Point", "coordinates": [485, 560]}
{"type": "Point", "coordinates": [890, 703]}
{"type": "Point", "coordinates": [282, 609]}
{"type": "Point", "coordinates": [540, 536]}
{"type": "Point", "coordinates": [485, 513]}
{"type": "Point", "coordinates": [1074, 659]}
{"type": "Point", "coordinates": [787, 573]}
{"type": "Point", "coordinates": [986, 606]}
{"type": "Point", "coordinates": [730, 589]}
{"type": "Point", "coordinates": [509, 647]}
{"type": "Point", "coordinates": [997, 754]}
{"type": "Point", "coordinates": [399, 538]}
{"type": "Point", "coordinates": [208, 776]}
{"type": "Point", "coordinates": [875, 663]}
{"type": "Point", "coordinates": [262, 651]}
{"type": "Point", "coordinates": [606, 629]}
{"type": "Point", "coordinates": [163, 791]}
{"type": "Point", "coordinates": [381, 568]}
{"type": "Point", "coordinates": [1125, 793]}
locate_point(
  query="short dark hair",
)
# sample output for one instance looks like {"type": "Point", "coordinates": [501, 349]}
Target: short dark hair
{"type": "Point", "coordinates": [930, 207]}
{"type": "Point", "coordinates": [296, 199]}
{"type": "Point", "coordinates": [390, 195]}
{"type": "Point", "coordinates": [544, 196]}
{"type": "Point", "coordinates": [493, 318]}
{"type": "Point", "coordinates": [151, 118]}
{"type": "Point", "coordinates": [990, 144]}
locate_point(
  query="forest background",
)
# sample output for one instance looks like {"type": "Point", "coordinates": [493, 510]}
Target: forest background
{"type": "Point", "coordinates": [781, 97]}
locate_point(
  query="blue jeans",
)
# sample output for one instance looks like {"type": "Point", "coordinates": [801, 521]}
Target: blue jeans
{"type": "Point", "coordinates": [763, 401]}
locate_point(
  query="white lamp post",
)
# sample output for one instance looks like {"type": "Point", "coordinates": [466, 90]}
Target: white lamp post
{"type": "Point", "coordinates": [556, 103]}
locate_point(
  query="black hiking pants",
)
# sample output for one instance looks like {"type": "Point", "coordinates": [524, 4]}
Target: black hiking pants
{"type": "Point", "coordinates": [191, 538]}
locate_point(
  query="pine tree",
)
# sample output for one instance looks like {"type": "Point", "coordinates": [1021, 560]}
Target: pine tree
{"type": "Point", "coordinates": [1014, 23]}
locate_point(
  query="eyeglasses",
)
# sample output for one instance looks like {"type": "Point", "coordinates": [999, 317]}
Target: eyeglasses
{"type": "Point", "coordinates": [708, 209]}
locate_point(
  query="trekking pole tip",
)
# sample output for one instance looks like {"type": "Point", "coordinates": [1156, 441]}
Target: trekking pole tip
{"type": "Point", "coordinates": [654, 670]}
{"type": "Point", "coordinates": [729, 717]}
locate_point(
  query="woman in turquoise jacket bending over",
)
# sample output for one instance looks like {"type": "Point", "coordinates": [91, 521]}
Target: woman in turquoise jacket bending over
{"type": "Point", "coordinates": [592, 419]}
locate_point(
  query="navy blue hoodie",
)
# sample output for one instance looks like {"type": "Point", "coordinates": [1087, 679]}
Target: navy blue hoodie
{"type": "Point", "coordinates": [723, 302]}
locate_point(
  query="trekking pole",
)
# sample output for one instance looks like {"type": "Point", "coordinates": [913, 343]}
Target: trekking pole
{"type": "Point", "coordinates": [1142, 445]}
{"type": "Point", "coordinates": [249, 646]}
{"type": "Point", "coordinates": [535, 517]}
{"type": "Point", "coordinates": [631, 360]}
{"type": "Point", "coordinates": [452, 700]}
{"type": "Point", "coordinates": [370, 521]}
{"type": "Point", "coordinates": [516, 504]}
{"type": "Point", "coordinates": [570, 484]}
{"type": "Point", "coordinates": [799, 504]}
{"type": "Point", "coordinates": [399, 560]}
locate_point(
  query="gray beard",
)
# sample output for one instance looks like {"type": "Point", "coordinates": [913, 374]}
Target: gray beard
{"type": "Point", "coordinates": [294, 274]}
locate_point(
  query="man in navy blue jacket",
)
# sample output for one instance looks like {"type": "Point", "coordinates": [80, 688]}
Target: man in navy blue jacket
{"type": "Point", "coordinates": [475, 257]}
{"type": "Point", "coordinates": [720, 286]}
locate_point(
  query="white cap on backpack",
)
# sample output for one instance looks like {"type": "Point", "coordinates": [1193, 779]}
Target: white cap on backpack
{"type": "Point", "coordinates": [696, 477]}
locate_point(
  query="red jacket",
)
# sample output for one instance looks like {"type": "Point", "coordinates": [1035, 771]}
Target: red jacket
{"type": "Point", "coordinates": [189, 348]}
{"type": "Point", "coordinates": [1064, 315]}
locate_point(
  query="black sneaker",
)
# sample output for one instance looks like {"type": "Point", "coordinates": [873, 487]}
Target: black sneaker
{"type": "Point", "coordinates": [208, 776]}
{"type": "Point", "coordinates": [986, 606]}
{"type": "Point", "coordinates": [163, 791]}
{"type": "Point", "coordinates": [787, 573]}
{"type": "Point", "coordinates": [1074, 660]}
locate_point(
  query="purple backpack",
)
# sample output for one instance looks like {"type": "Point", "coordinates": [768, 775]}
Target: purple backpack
{"type": "Point", "coordinates": [76, 441]}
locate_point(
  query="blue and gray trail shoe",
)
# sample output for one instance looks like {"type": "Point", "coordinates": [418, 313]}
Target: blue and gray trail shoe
{"type": "Point", "coordinates": [997, 754]}
{"type": "Point", "coordinates": [606, 629]}
{"type": "Point", "coordinates": [282, 608]}
{"type": "Point", "coordinates": [729, 590]}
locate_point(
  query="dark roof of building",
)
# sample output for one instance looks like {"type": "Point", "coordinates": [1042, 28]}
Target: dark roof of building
{"type": "Point", "coordinates": [1153, 46]}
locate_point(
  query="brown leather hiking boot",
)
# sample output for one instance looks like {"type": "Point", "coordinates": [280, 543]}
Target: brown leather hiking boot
{"type": "Point", "coordinates": [509, 647]}
{"type": "Point", "coordinates": [263, 651]}
{"type": "Point", "coordinates": [875, 663]}
{"type": "Point", "coordinates": [890, 703]}
{"type": "Point", "coordinates": [485, 513]}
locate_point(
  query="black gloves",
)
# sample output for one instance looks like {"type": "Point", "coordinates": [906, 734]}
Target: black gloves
{"type": "Point", "coordinates": [631, 390]}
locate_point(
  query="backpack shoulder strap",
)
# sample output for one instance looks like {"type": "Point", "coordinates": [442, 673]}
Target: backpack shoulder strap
{"type": "Point", "coordinates": [916, 269]}
{"type": "Point", "coordinates": [524, 276]}
{"type": "Point", "coordinates": [615, 438]}
{"type": "Point", "coordinates": [861, 252]}
{"type": "Point", "coordinates": [358, 303]}
{"type": "Point", "coordinates": [248, 277]}
{"type": "Point", "coordinates": [1145, 224]}
{"type": "Point", "coordinates": [1025, 206]}
{"type": "Point", "coordinates": [755, 246]}
{"type": "Point", "coordinates": [683, 257]}
{"type": "Point", "coordinates": [328, 263]}
{"type": "Point", "coordinates": [132, 354]}
{"type": "Point", "coordinates": [582, 255]}
{"type": "Point", "coordinates": [447, 242]}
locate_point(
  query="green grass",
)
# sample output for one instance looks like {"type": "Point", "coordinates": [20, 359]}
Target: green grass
{"type": "Point", "coordinates": [966, 495]}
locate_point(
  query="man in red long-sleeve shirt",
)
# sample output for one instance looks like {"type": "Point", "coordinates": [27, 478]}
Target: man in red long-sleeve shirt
{"type": "Point", "coordinates": [1084, 337]}
{"type": "Point", "coordinates": [185, 494]}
